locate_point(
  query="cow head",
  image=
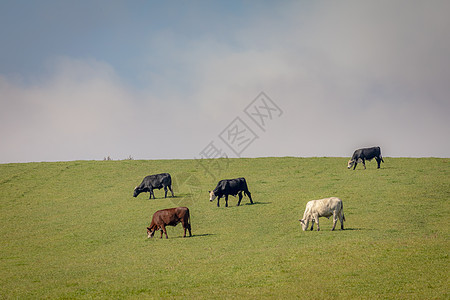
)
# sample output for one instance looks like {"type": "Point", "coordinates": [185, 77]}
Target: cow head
{"type": "Point", "coordinates": [136, 192]}
{"type": "Point", "coordinates": [212, 196]}
{"type": "Point", "coordinates": [150, 232]}
{"type": "Point", "coordinates": [350, 164]}
{"type": "Point", "coordinates": [304, 223]}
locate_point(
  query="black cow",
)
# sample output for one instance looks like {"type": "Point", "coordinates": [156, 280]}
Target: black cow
{"type": "Point", "coordinates": [230, 187]}
{"type": "Point", "coordinates": [365, 154]}
{"type": "Point", "coordinates": [152, 182]}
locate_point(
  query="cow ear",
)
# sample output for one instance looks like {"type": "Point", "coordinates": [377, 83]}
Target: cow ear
{"type": "Point", "coordinates": [209, 191]}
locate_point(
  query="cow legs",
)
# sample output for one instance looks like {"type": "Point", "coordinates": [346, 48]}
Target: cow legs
{"type": "Point", "coordinates": [334, 221]}
{"type": "Point", "coordinates": [312, 224]}
{"type": "Point", "coordinates": [364, 163]}
{"type": "Point", "coordinates": [354, 166]}
{"type": "Point", "coordinates": [170, 189]}
{"type": "Point", "coordinates": [316, 218]}
{"type": "Point", "coordinates": [165, 191]}
{"type": "Point", "coordinates": [185, 226]}
{"type": "Point", "coordinates": [226, 200]}
{"type": "Point", "coordinates": [378, 162]}
{"type": "Point", "coordinates": [249, 195]}
{"type": "Point", "coordinates": [240, 198]}
{"type": "Point", "coordinates": [152, 193]}
{"type": "Point", "coordinates": [163, 228]}
{"type": "Point", "coordinates": [218, 198]}
{"type": "Point", "coordinates": [188, 227]}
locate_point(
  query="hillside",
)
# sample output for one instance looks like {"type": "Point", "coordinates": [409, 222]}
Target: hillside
{"type": "Point", "coordinates": [73, 230]}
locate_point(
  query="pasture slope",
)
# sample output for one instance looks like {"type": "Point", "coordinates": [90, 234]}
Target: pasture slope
{"type": "Point", "coordinates": [73, 230]}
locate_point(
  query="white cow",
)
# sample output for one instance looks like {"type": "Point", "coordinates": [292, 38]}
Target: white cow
{"type": "Point", "coordinates": [323, 208]}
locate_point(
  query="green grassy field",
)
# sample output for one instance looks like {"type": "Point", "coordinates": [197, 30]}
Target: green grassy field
{"type": "Point", "coordinates": [73, 230]}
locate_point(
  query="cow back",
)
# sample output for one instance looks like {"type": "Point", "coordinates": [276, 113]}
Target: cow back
{"type": "Point", "coordinates": [367, 153]}
{"type": "Point", "coordinates": [170, 216]}
{"type": "Point", "coordinates": [230, 186]}
{"type": "Point", "coordinates": [156, 181]}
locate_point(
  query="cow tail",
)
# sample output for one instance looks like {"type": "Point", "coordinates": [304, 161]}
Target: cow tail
{"type": "Point", "coordinates": [246, 187]}
{"type": "Point", "coordinates": [381, 157]}
{"type": "Point", "coordinates": [342, 208]}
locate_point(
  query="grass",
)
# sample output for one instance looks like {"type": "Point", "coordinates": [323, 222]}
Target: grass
{"type": "Point", "coordinates": [73, 230]}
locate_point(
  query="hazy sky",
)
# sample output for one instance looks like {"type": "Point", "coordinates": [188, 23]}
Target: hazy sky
{"type": "Point", "coordinates": [174, 79]}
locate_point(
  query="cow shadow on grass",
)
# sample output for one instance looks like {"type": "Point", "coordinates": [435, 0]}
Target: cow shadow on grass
{"type": "Point", "coordinates": [172, 237]}
{"type": "Point", "coordinates": [158, 198]}
{"type": "Point", "coordinates": [176, 198]}
{"type": "Point", "coordinates": [202, 235]}
{"type": "Point", "coordinates": [193, 236]}
{"type": "Point", "coordinates": [338, 229]}
{"type": "Point", "coordinates": [256, 203]}
{"type": "Point", "coordinates": [231, 205]}
{"type": "Point", "coordinates": [356, 229]}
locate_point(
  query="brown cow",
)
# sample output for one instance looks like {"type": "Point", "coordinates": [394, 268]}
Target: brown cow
{"type": "Point", "coordinates": [169, 217]}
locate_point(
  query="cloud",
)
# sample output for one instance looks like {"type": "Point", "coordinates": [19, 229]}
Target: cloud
{"type": "Point", "coordinates": [346, 75]}
{"type": "Point", "coordinates": [82, 110]}
{"type": "Point", "coordinates": [69, 114]}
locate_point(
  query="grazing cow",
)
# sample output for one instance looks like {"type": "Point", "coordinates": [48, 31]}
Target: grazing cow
{"type": "Point", "coordinates": [169, 217]}
{"type": "Point", "coordinates": [230, 187]}
{"type": "Point", "coordinates": [361, 155]}
{"type": "Point", "coordinates": [152, 182]}
{"type": "Point", "coordinates": [323, 208]}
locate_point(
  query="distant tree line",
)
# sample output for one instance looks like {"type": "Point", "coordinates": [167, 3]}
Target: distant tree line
{"type": "Point", "coordinates": [109, 158]}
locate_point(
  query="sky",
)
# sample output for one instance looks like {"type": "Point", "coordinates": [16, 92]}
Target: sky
{"type": "Point", "coordinates": [84, 80]}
